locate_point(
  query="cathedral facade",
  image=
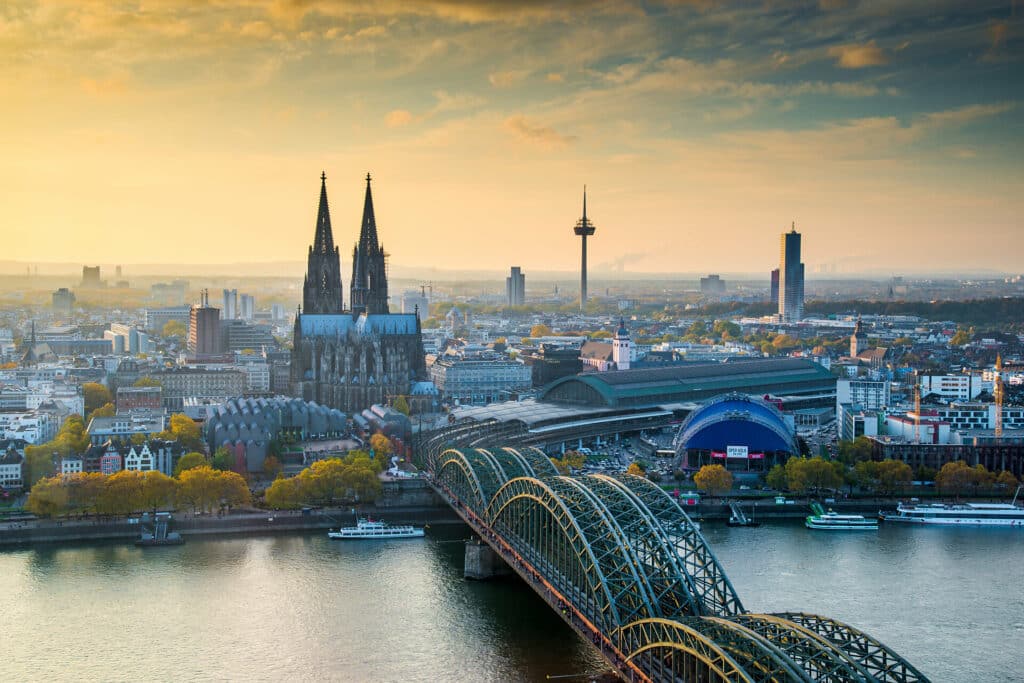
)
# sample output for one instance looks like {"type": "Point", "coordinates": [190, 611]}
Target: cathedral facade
{"type": "Point", "coordinates": [351, 359]}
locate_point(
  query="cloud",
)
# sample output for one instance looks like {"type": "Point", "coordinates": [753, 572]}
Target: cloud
{"type": "Point", "coordinates": [554, 78]}
{"type": "Point", "coordinates": [506, 79]}
{"type": "Point", "coordinates": [447, 102]}
{"type": "Point", "coordinates": [256, 29]}
{"type": "Point", "coordinates": [545, 136]}
{"type": "Point", "coordinates": [104, 87]}
{"type": "Point", "coordinates": [854, 56]}
{"type": "Point", "coordinates": [398, 118]}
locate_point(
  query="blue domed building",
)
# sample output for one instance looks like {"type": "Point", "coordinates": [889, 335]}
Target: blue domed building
{"type": "Point", "coordinates": [742, 433]}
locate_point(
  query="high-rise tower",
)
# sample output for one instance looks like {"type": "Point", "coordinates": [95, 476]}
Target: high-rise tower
{"type": "Point", "coordinates": [791, 278]}
{"type": "Point", "coordinates": [584, 228]}
{"type": "Point", "coordinates": [369, 293]}
{"type": "Point", "coordinates": [321, 291]}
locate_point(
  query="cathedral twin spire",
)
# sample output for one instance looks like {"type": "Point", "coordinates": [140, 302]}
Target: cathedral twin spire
{"type": "Point", "coordinates": [322, 288]}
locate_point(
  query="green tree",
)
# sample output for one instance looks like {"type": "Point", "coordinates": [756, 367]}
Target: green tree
{"type": "Point", "coordinates": [1007, 481]}
{"type": "Point", "coordinates": [189, 461]}
{"type": "Point", "coordinates": [96, 395]}
{"type": "Point", "coordinates": [714, 479]}
{"type": "Point", "coordinates": [852, 452]}
{"type": "Point", "coordinates": [223, 459]}
{"type": "Point", "coordinates": [777, 478]}
{"type": "Point", "coordinates": [174, 328]}
{"type": "Point", "coordinates": [401, 405]}
{"type": "Point", "coordinates": [893, 476]}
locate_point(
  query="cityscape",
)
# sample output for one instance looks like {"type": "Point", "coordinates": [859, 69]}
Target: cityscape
{"type": "Point", "coordinates": [590, 414]}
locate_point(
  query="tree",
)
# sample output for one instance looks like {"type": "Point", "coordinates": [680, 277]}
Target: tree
{"type": "Point", "coordinates": [157, 490]}
{"type": "Point", "coordinates": [401, 405]}
{"type": "Point", "coordinates": [601, 334]}
{"type": "Point", "coordinates": [961, 338]}
{"type": "Point", "coordinates": [955, 477]}
{"type": "Point", "coordinates": [820, 474]}
{"type": "Point", "coordinates": [189, 461]}
{"type": "Point", "coordinates": [893, 476]}
{"type": "Point", "coordinates": [148, 381]}
{"type": "Point", "coordinates": [96, 395]}
{"type": "Point", "coordinates": [232, 490]}
{"type": "Point", "coordinates": [714, 479]}
{"type": "Point", "coordinates": [223, 459]}
{"type": "Point", "coordinates": [1007, 480]}
{"type": "Point", "coordinates": [199, 488]}
{"type": "Point", "coordinates": [47, 498]}
{"type": "Point", "coordinates": [635, 469]}
{"type": "Point", "coordinates": [540, 330]}
{"type": "Point", "coordinates": [381, 445]}
{"type": "Point", "coordinates": [123, 492]}
{"type": "Point", "coordinates": [174, 328]}
{"type": "Point", "coordinates": [777, 478]}
{"type": "Point", "coordinates": [106, 410]}
{"type": "Point", "coordinates": [271, 466]}
{"type": "Point", "coordinates": [184, 430]}
{"type": "Point", "coordinates": [283, 494]}
{"type": "Point", "coordinates": [852, 452]}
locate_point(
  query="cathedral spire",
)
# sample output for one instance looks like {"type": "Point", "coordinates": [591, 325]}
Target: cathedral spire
{"type": "Point", "coordinates": [323, 241]}
{"type": "Point", "coordinates": [368, 232]}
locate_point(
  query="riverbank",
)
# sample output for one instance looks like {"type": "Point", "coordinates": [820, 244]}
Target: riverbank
{"type": "Point", "coordinates": [249, 523]}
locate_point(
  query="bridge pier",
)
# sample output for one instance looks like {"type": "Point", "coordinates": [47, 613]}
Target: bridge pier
{"type": "Point", "coordinates": [483, 563]}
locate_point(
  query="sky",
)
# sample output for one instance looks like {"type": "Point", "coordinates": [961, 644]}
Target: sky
{"type": "Point", "coordinates": [173, 131]}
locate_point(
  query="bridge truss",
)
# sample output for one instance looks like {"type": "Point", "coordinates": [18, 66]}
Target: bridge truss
{"type": "Point", "coordinates": [629, 570]}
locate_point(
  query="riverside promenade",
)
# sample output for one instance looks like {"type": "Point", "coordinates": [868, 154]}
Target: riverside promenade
{"type": "Point", "coordinates": [248, 522]}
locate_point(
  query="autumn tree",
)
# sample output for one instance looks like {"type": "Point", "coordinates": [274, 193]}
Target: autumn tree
{"type": "Point", "coordinates": [48, 498]}
{"type": "Point", "coordinates": [777, 477]}
{"type": "Point", "coordinates": [174, 328]}
{"type": "Point", "coordinates": [96, 395]}
{"type": "Point", "coordinates": [852, 452]}
{"type": "Point", "coordinates": [283, 494]}
{"type": "Point", "coordinates": [184, 430]}
{"type": "Point", "coordinates": [1007, 481]}
{"type": "Point", "coordinates": [381, 445]}
{"type": "Point", "coordinates": [955, 477]}
{"type": "Point", "coordinates": [189, 461]}
{"type": "Point", "coordinates": [714, 479]}
{"type": "Point", "coordinates": [105, 410]}
{"type": "Point", "coordinates": [148, 381]}
{"type": "Point", "coordinates": [893, 476]}
{"type": "Point", "coordinates": [540, 330]}
{"type": "Point", "coordinates": [198, 487]}
{"type": "Point", "coordinates": [635, 468]}
{"type": "Point", "coordinates": [157, 490]}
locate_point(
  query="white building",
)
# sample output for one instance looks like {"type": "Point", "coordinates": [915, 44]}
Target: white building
{"type": "Point", "coordinates": [12, 463]}
{"type": "Point", "coordinates": [71, 465]}
{"type": "Point", "coordinates": [864, 393]}
{"type": "Point", "coordinates": [954, 387]}
{"type": "Point", "coordinates": [145, 459]}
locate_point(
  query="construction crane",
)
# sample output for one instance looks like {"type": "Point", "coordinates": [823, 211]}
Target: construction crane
{"type": "Point", "coordinates": [997, 392]}
{"type": "Point", "coordinates": [917, 410]}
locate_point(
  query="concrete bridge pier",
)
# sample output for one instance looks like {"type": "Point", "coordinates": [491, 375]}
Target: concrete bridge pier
{"type": "Point", "coordinates": [482, 562]}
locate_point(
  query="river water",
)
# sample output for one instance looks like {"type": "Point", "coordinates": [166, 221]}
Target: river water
{"type": "Point", "coordinates": [303, 608]}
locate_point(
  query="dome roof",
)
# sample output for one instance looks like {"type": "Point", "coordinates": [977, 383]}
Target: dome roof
{"type": "Point", "coordinates": [737, 420]}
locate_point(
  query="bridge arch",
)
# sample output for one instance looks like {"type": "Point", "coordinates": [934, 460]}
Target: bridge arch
{"type": "Point", "coordinates": [676, 651]}
{"type": "Point", "coordinates": [453, 470]}
{"type": "Point", "coordinates": [711, 586]}
{"type": "Point", "coordinates": [542, 529]}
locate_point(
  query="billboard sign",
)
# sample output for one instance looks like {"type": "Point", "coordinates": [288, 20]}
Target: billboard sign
{"type": "Point", "coordinates": [736, 451]}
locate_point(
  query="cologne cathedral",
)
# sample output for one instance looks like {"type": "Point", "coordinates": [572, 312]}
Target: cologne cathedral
{"type": "Point", "coordinates": [352, 359]}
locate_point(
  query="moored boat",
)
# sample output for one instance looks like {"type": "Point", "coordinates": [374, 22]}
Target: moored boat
{"type": "Point", "coordinates": [371, 529]}
{"type": "Point", "coordinates": [961, 514]}
{"type": "Point", "coordinates": [833, 521]}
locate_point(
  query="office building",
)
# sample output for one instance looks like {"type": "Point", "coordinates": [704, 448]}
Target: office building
{"type": "Point", "coordinates": [712, 285]}
{"type": "Point", "coordinates": [416, 302]}
{"type": "Point", "coordinates": [63, 302]}
{"type": "Point", "coordinates": [791, 278]}
{"type": "Point", "coordinates": [515, 287]}
{"type": "Point", "coordinates": [247, 307]}
{"type": "Point", "coordinates": [775, 289]}
{"type": "Point", "coordinates": [229, 307]}
{"type": "Point", "coordinates": [204, 335]}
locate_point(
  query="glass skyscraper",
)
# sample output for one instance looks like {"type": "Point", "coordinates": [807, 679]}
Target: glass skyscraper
{"type": "Point", "coordinates": [791, 278]}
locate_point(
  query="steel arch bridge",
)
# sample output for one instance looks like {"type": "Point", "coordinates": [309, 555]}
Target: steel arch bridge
{"type": "Point", "coordinates": [628, 570]}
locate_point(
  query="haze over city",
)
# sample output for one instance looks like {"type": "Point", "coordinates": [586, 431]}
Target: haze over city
{"type": "Point", "coordinates": [889, 132]}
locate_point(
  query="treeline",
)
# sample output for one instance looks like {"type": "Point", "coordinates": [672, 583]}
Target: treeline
{"type": "Point", "coordinates": [352, 478]}
{"type": "Point", "coordinates": [202, 489]}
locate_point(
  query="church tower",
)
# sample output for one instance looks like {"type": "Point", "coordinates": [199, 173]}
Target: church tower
{"type": "Point", "coordinates": [858, 340]}
{"type": "Point", "coordinates": [369, 292]}
{"type": "Point", "coordinates": [321, 291]}
{"type": "Point", "coordinates": [620, 347]}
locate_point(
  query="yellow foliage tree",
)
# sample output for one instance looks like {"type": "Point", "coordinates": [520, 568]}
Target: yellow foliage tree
{"type": "Point", "coordinates": [636, 469]}
{"type": "Point", "coordinates": [714, 479]}
{"type": "Point", "coordinates": [381, 445]}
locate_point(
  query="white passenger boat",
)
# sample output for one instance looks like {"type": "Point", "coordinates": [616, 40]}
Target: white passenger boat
{"type": "Point", "coordinates": [964, 514]}
{"type": "Point", "coordinates": [833, 521]}
{"type": "Point", "coordinates": [368, 528]}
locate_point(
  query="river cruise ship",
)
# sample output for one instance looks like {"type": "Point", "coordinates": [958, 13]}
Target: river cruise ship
{"type": "Point", "coordinates": [369, 529]}
{"type": "Point", "coordinates": [833, 521]}
{"type": "Point", "coordinates": [965, 514]}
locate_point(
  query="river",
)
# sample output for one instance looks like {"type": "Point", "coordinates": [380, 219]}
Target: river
{"type": "Point", "coordinates": [303, 608]}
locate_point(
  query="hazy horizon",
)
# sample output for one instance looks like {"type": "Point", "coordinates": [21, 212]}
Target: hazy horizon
{"type": "Point", "coordinates": [889, 132]}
